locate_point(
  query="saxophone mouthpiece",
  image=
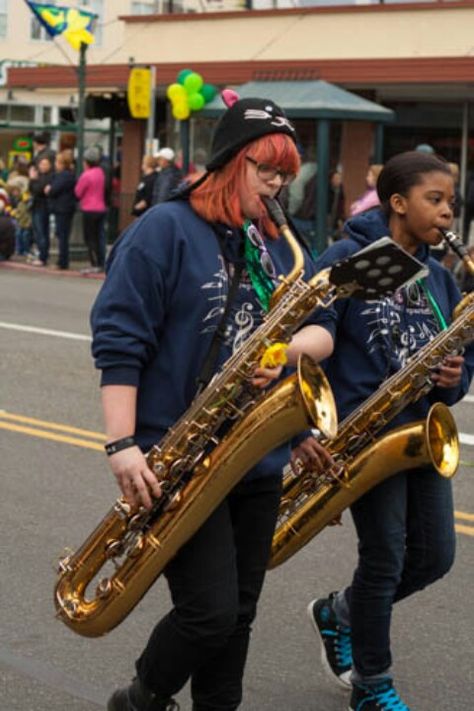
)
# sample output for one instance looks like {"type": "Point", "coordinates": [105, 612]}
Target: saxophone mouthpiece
{"type": "Point", "coordinates": [458, 248]}
{"type": "Point", "coordinates": [274, 210]}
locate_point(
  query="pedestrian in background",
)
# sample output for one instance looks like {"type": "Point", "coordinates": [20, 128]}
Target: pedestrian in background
{"type": "Point", "coordinates": [7, 229]}
{"type": "Point", "coordinates": [168, 176]}
{"type": "Point", "coordinates": [466, 279]}
{"type": "Point", "coordinates": [63, 203]}
{"type": "Point", "coordinates": [40, 177]}
{"type": "Point", "coordinates": [369, 198]}
{"type": "Point", "coordinates": [336, 204]}
{"type": "Point", "coordinates": [458, 199]}
{"type": "Point", "coordinates": [144, 194]}
{"type": "Point", "coordinates": [42, 149]}
{"type": "Point", "coordinates": [90, 191]}
{"type": "Point", "coordinates": [19, 174]}
{"type": "Point", "coordinates": [24, 229]}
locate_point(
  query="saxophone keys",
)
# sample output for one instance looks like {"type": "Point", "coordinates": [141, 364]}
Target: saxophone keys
{"type": "Point", "coordinates": [122, 508]}
{"type": "Point", "coordinates": [63, 563]}
{"type": "Point", "coordinates": [138, 546]}
{"type": "Point", "coordinates": [114, 548]}
{"type": "Point", "coordinates": [104, 588]}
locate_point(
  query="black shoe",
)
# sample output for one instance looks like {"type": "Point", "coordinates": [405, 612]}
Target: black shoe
{"type": "Point", "coordinates": [380, 696]}
{"type": "Point", "coordinates": [336, 646]}
{"type": "Point", "coordinates": [137, 698]}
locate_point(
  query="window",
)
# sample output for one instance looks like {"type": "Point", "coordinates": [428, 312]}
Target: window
{"type": "Point", "coordinates": [37, 31]}
{"type": "Point", "coordinates": [145, 8]}
{"type": "Point", "coordinates": [97, 7]}
{"type": "Point", "coordinates": [47, 114]}
{"type": "Point", "coordinates": [3, 18]}
{"type": "Point", "coordinates": [22, 114]}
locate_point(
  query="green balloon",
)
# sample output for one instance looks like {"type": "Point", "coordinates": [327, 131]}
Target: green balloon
{"type": "Point", "coordinates": [208, 91]}
{"type": "Point", "coordinates": [193, 83]}
{"type": "Point", "coordinates": [196, 101]}
{"type": "Point", "coordinates": [183, 74]}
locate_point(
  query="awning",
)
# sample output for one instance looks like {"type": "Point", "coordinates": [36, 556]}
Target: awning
{"type": "Point", "coordinates": [308, 99]}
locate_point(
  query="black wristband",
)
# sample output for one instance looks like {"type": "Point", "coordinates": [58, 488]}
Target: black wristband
{"type": "Point", "coordinates": [118, 445]}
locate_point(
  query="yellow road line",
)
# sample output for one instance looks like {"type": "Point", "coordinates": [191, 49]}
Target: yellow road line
{"type": "Point", "coordinates": [79, 442]}
{"type": "Point", "coordinates": [463, 515]}
{"type": "Point", "coordinates": [468, 530]}
{"type": "Point", "coordinates": [51, 435]}
{"type": "Point", "coordinates": [51, 425]}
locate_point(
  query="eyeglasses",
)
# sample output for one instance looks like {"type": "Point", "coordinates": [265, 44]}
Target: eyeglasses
{"type": "Point", "coordinates": [256, 239]}
{"type": "Point", "coordinates": [269, 172]}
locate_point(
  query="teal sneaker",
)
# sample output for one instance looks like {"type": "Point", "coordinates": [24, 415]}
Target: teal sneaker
{"type": "Point", "coordinates": [380, 696]}
{"type": "Point", "coordinates": [336, 645]}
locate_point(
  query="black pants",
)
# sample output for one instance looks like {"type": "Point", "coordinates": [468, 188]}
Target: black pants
{"type": "Point", "coordinates": [63, 231]}
{"type": "Point", "coordinates": [407, 541]}
{"type": "Point", "coordinates": [92, 226]}
{"type": "Point", "coordinates": [215, 582]}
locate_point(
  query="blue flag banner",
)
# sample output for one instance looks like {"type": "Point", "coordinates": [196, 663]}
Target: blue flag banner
{"type": "Point", "coordinates": [76, 25]}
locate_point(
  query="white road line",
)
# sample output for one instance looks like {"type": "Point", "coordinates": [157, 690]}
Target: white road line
{"type": "Point", "coordinates": [45, 331]}
{"type": "Point", "coordinates": [468, 398]}
{"type": "Point", "coordinates": [466, 438]}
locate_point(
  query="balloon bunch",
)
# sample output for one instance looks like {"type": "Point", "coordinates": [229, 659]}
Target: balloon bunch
{"type": "Point", "coordinates": [189, 93]}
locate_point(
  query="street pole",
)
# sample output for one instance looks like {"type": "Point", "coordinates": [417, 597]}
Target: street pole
{"type": "Point", "coordinates": [322, 177]}
{"type": "Point", "coordinates": [81, 77]}
{"type": "Point", "coordinates": [150, 127]}
{"type": "Point", "coordinates": [463, 167]}
{"type": "Point", "coordinates": [184, 137]}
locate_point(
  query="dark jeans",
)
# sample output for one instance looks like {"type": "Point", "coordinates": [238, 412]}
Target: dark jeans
{"type": "Point", "coordinates": [215, 582]}
{"type": "Point", "coordinates": [63, 231]}
{"type": "Point", "coordinates": [92, 230]}
{"type": "Point", "coordinates": [23, 239]}
{"type": "Point", "coordinates": [406, 541]}
{"type": "Point", "coordinates": [40, 220]}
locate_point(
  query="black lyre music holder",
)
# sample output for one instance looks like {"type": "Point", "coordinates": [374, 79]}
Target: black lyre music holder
{"type": "Point", "coordinates": [377, 270]}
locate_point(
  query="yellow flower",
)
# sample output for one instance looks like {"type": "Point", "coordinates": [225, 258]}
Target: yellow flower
{"type": "Point", "coordinates": [274, 356]}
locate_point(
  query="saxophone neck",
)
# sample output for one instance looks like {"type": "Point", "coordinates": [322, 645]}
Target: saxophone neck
{"type": "Point", "coordinates": [278, 217]}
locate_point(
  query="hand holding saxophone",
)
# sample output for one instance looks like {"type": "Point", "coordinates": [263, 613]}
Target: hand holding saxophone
{"type": "Point", "coordinates": [310, 454]}
{"type": "Point", "coordinates": [449, 373]}
{"type": "Point", "coordinates": [137, 482]}
{"type": "Point", "coordinates": [262, 377]}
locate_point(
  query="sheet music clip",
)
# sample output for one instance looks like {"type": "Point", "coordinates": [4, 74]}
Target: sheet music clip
{"type": "Point", "coordinates": [377, 270]}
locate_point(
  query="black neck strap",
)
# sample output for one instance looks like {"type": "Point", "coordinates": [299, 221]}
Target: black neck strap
{"type": "Point", "coordinates": [207, 370]}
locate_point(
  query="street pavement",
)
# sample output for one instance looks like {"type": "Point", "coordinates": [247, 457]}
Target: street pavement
{"type": "Point", "coordinates": [56, 487]}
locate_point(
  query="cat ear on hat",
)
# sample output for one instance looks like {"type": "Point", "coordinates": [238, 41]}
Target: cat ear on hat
{"type": "Point", "coordinates": [229, 97]}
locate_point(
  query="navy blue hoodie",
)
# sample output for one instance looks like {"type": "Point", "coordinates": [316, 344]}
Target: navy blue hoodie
{"type": "Point", "coordinates": [161, 302]}
{"type": "Point", "coordinates": [374, 339]}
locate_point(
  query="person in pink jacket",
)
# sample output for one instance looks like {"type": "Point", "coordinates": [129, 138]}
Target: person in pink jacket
{"type": "Point", "coordinates": [90, 191]}
{"type": "Point", "coordinates": [369, 199]}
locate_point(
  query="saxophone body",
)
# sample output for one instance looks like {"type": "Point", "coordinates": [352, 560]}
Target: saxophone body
{"type": "Point", "coordinates": [197, 467]}
{"type": "Point", "coordinates": [311, 500]}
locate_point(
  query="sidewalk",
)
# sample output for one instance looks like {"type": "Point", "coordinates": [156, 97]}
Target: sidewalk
{"type": "Point", "coordinates": [17, 263]}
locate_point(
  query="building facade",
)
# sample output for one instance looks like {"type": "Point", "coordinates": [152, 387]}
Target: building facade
{"type": "Point", "coordinates": [416, 58]}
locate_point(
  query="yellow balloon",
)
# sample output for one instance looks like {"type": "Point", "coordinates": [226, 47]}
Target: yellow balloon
{"type": "Point", "coordinates": [181, 112]}
{"type": "Point", "coordinates": [175, 91]}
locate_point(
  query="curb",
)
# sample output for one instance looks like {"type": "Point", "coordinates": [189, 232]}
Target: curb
{"type": "Point", "coordinates": [23, 267]}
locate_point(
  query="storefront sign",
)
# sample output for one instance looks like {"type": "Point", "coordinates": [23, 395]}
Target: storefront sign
{"type": "Point", "coordinates": [139, 92]}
